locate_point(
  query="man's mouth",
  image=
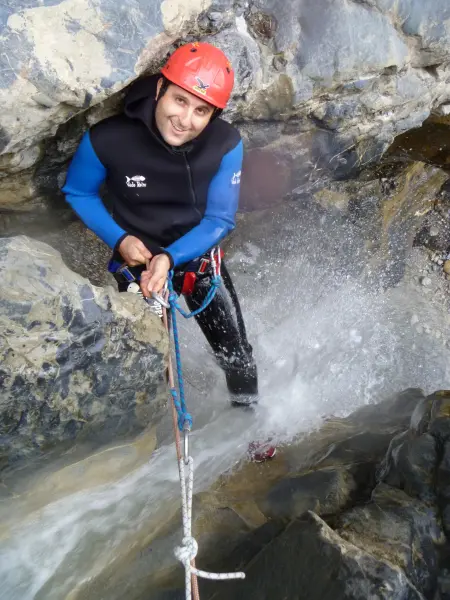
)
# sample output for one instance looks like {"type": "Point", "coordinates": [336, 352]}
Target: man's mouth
{"type": "Point", "coordinates": [177, 129]}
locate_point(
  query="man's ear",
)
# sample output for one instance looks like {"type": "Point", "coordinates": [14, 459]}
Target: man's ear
{"type": "Point", "coordinates": [158, 87]}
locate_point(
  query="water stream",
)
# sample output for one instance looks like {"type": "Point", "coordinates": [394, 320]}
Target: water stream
{"type": "Point", "coordinates": [325, 344]}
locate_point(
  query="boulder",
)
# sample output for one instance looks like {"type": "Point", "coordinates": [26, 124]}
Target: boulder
{"type": "Point", "coordinates": [400, 530]}
{"type": "Point", "coordinates": [309, 560]}
{"type": "Point", "coordinates": [77, 361]}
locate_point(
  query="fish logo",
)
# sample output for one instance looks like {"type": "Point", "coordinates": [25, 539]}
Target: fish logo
{"type": "Point", "coordinates": [135, 181]}
{"type": "Point", "coordinates": [202, 87]}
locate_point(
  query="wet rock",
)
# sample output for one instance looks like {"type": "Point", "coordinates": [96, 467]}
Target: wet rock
{"type": "Point", "coordinates": [409, 465]}
{"type": "Point", "coordinates": [258, 517]}
{"type": "Point", "coordinates": [390, 544]}
{"type": "Point", "coordinates": [443, 488]}
{"type": "Point", "coordinates": [440, 415]}
{"type": "Point", "coordinates": [399, 530]}
{"type": "Point", "coordinates": [324, 491]}
{"type": "Point", "coordinates": [77, 362]}
{"type": "Point", "coordinates": [327, 568]}
{"type": "Point", "coordinates": [82, 251]}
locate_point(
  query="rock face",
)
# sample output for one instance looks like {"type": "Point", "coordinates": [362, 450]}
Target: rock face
{"type": "Point", "coordinates": [357, 510]}
{"type": "Point", "coordinates": [326, 567]}
{"type": "Point", "coordinates": [76, 362]}
{"type": "Point", "coordinates": [332, 83]}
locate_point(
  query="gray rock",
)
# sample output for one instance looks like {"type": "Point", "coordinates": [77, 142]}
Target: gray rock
{"type": "Point", "coordinates": [426, 281]}
{"type": "Point", "coordinates": [439, 425]}
{"type": "Point", "coordinates": [426, 22]}
{"type": "Point", "coordinates": [323, 491]}
{"type": "Point", "coordinates": [409, 465]}
{"type": "Point", "coordinates": [341, 96]}
{"type": "Point", "coordinates": [443, 488]}
{"type": "Point", "coordinates": [327, 568]}
{"type": "Point", "coordinates": [101, 48]}
{"type": "Point", "coordinates": [399, 530]}
{"type": "Point", "coordinates": [77, 361]}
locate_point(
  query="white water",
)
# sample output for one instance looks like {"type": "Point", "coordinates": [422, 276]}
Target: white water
{"type": "Point", "coordinates": [324, 345]}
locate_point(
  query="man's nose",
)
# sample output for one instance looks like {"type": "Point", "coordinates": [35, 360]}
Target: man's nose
{"type": "Point", "coordinates": [186, 117]}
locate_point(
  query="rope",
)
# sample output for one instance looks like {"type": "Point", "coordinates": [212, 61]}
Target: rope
{"type": "Point", "coordinates": [216, 281]}
{"type": "Point", "coordinates": [188, 549]}
{"type": "Point", "coordinates": [182, 421]}
{"type": "Point", "coordinates": [184, 418]}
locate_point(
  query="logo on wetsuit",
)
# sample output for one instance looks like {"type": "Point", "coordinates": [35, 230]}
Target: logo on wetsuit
{"type": "Point", "coordinates": [236, 179]}
{"type": "Point", "coordinates": [135, 181]}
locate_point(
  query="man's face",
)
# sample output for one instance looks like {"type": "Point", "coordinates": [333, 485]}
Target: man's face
{"type": "Point", "coordinates": [181, 116]}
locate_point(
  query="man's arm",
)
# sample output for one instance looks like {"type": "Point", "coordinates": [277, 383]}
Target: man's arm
{"type": "Point", "coordinates": [221, 207]}
{"type": "Point", "coordinates": [84, 177]}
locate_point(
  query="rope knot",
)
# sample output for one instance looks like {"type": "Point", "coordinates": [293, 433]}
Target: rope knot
{"type": "Point", "coordinates": [184, 417]}
{"type": "Point", "coordinates": [187, 551]}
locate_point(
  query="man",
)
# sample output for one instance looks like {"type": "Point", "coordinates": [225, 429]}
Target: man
{"type": "Point", "coordinates": [173, 168]}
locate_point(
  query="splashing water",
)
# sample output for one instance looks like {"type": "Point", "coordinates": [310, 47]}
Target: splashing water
{"type": "Point", "coordinates": [325, 344]}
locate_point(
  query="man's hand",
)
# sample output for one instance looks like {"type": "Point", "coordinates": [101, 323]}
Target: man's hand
{"type": "Point", "coordinates": [154, 278]}
{"type": "Point", "coordinates": [134, 251]}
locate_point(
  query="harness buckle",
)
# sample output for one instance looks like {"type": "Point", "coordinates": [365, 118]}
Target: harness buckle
{"type": "Point", "coordinates": [126, 273]}
{"type": "Point", "coordinates": [204, 262]}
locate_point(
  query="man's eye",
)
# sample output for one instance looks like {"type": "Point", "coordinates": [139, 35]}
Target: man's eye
{"type": "Point", "coordinates": [180, 100]}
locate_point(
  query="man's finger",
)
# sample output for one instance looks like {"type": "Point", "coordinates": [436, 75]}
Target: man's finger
{"type": "Point", "coordinates": [156, 283]}
{"type": "Point", "coordinates": [145, 253]}
{"type": "Point", "coordinates": [137, 257]}
{"type": "Point", "coordinates": [145, 276]}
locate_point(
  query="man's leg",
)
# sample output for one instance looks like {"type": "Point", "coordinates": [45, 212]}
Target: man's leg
{"type": "Point", "coordinates": [223, 326]}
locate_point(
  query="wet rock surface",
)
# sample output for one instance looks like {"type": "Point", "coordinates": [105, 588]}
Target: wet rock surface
{"type": "Point", "coordinates": [77, 361]}
{"type": "Point", "coordinates": [359, 509]}
{"type": "Point", "coordinates": [326, 567]}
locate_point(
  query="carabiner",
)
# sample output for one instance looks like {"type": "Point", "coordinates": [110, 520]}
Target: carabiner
{"type": "Point", "coordinates": [216, 261]}
{"type": "Point", "coordinates": [160, 299]}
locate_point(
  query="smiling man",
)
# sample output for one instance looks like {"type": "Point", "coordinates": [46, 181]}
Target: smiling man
{"type": "Point", "coordinates": [173, 167]}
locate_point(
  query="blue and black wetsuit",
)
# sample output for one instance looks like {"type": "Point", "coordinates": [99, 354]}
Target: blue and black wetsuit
{"type": "Point", "coordinates": [177, 201]}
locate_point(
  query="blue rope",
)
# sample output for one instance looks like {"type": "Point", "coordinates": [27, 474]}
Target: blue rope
{"type": "Point", "coordinates": [184, 418]}
{"type": "Point", "coordinates": [215, 284]}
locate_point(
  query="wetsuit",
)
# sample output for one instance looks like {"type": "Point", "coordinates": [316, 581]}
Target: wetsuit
{"type": "Point", "coordinates": [177, 201]}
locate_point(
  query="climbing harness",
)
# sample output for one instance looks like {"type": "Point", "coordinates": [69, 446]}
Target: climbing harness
{"type": "Point", "coordinates": [216, 280]}
{"type": "Point", "coordinates": [182, 423]}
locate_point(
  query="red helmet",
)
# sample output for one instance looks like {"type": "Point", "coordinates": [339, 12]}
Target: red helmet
{"type": "Point", "coordinates": [202, 70]}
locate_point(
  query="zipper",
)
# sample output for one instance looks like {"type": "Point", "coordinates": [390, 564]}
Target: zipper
{"type": "Point", "coordinates": [191, 185]}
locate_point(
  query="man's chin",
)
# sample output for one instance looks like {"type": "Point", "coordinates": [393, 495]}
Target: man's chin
{"type": "Point", "coordinates": [174, 140]}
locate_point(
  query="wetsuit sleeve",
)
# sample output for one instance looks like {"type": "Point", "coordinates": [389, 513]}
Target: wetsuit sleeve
{"type": "Point", "coordinates": [84, 177]}
{"type": "Point", "coordinates": [221, 207]}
